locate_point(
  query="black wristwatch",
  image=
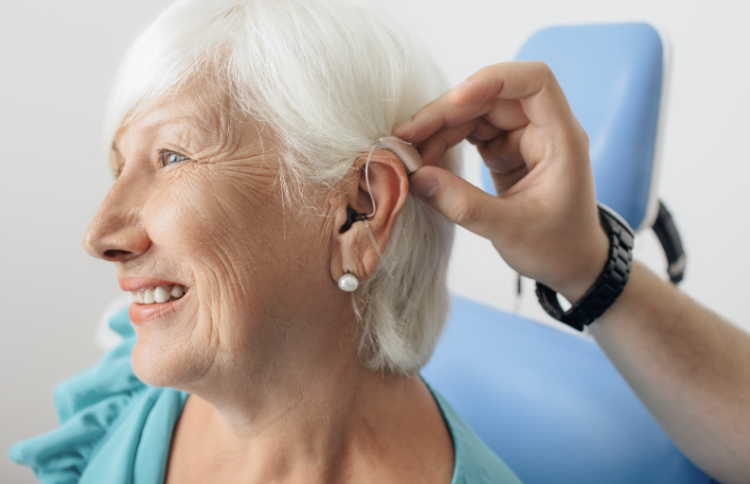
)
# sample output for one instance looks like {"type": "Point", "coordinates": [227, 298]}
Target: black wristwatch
{"type": "Point", "coordinates": [607, 287]}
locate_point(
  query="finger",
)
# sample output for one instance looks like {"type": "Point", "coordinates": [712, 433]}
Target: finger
{"type": "Point", "coordinates": [507, 80]}
{"type": "Point", "coordinates": [460, 201]}
{"type": "Point", "coordinates": [441, 113]}
{"type": "Point", "coordinates": [506, 181]}
{"type": "Point", "coordinates": [503, 154]}
{"type": "Point", "coordinates": [477, 129]}
{"type": "Point", "coordinates": [433, 148]}
{"type": "Point", "coordinates": [438, 114]}
{"type": "Point", "coordinates": [485, 131]}
{"type": "Point", "coordinates": [476, 141]}
{"type": "Point", "coordinates": [506, 114]}
{"type": "Point", "coordinates": [532, 81]}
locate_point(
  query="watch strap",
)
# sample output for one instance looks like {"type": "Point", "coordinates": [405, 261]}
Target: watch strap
{"type": "Point", "coordinates": [607, 287]}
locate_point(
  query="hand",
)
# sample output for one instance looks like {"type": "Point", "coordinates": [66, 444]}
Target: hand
{"type": "Point", "coordinates": [544, 221]}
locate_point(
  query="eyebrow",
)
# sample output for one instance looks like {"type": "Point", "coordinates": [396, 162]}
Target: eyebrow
{"type": "Point", "coordinates": [165, 121]}
{"type": "Point", "coordinates": [113, 165]}
{"type": "Point", "coordinates": [150, 128]}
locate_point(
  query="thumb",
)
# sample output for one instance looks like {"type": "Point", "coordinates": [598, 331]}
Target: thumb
{"type": "Point", "coordinates": [460, 201]}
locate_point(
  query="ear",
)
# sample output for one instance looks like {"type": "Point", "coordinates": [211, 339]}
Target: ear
{"type": "Point", "coordinates": [353, 250]}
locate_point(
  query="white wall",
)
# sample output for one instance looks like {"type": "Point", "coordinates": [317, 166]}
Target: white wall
{"type": "Point", "coordinates": [56, 63]}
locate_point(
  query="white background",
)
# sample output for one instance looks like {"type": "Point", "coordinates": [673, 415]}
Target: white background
{"type": "Point", "coordinates": [57, 60]}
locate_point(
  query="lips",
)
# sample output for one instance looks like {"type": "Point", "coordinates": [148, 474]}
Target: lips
{"type": "Point", "coordinates": [138, 283]}
{"type": "Point", "coordinates": [142, 313]}
{"type": "Point", "coordinates": [152, 298]}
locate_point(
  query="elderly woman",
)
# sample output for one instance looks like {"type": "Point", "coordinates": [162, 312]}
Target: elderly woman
{"type": "Point", "coordinates": [242, 136]}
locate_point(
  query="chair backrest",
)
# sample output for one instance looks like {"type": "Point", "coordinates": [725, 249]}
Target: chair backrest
{"type": "Point", "coordinates": [612, 75]}
{"type": "Point", "coordinates": [550, 403]}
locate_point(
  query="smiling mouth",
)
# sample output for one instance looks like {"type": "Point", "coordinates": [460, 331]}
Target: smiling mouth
{"type": "Point", "coordinates": [158, 294]}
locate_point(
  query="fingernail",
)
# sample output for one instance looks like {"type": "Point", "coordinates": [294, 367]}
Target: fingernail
{"type": "Point", "coordinates": [424, 184]}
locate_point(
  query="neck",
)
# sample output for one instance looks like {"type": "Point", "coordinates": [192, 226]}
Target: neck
{"type": "Point", "coordinates": [308, 399]}
{"type": "Point", "coordinates": [331, 432]}
{"type": "Point", "coordinates": [310, 413]}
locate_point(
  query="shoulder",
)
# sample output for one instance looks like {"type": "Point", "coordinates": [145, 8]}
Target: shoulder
{"type": "Point", "coordinates": [475, 462]}
{"type": "Point", "coordinates": [91, 405]}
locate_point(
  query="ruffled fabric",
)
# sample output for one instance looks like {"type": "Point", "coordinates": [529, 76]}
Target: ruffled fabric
{"type": "Point", "coordinates": [106, 415]}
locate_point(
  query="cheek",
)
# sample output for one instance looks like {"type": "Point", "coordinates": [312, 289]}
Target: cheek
{"type": "Point", "coordinates": [214, 234]}
{"type": "Point", "coordinates": [215, 221]}
{"type": "Point", "coordinates": [248, 256]}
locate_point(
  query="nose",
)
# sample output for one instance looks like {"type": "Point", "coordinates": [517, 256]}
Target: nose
{"type": "Point", "coordinates": [117, 233]}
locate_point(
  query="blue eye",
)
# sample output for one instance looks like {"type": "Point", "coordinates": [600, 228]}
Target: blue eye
{"type": "Point", "coordinates": [170, 157]}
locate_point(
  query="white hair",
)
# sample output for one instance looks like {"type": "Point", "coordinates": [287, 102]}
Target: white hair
{"type": "Point", "coordinates": [328, 78]}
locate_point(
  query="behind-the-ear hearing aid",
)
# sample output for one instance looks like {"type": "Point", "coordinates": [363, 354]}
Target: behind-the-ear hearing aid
{"type": "Point", "coordinates": [405, 151]}
{"type": "Point", "coordinates": [409, 156]}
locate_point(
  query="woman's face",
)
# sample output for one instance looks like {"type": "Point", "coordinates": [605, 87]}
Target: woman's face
{"type": "Point", "coordinates": [198, 203]}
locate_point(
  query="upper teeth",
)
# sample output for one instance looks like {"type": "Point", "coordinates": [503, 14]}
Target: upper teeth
{"type": "Point", "coordinates": [158, 294]}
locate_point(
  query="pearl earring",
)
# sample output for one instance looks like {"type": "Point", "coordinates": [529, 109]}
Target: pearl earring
{"type": "Point", "coordinates": [348, 282]}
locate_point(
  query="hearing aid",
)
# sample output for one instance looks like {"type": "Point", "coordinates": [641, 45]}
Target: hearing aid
{"type": "Point", "coordinates": [406, 152]}
{"type": "Point", "coordinates": [351, 217]}
{"type": "Point", "coordinates": [409, 156]}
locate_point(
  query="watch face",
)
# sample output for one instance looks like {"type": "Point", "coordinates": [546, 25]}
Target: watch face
{"type": "Point", "coordinates": [617, 217]}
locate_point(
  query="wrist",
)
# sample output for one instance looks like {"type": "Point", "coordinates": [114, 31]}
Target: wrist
{"type": "Point", "coordinates": [607, 286]}
{"type": "Point", "coordinates": [594, 261]}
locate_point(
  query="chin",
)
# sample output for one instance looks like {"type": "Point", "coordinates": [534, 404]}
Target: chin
{"type": "Point", "coordinates": [167, 366]}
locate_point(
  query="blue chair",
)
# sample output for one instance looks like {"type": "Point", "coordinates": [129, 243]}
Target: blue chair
{"type": "Point", "coordinates": [549, 402]}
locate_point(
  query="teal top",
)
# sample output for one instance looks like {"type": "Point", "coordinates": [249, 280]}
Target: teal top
{"type": "Point", "coordinates": [116, 429]}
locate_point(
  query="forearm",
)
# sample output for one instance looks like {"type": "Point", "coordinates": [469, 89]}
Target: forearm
{"type": "Point", "coordinates": [689, 367]}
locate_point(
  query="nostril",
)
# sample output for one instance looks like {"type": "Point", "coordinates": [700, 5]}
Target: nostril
{"type": "Point", "coordinates": [116, 254]}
